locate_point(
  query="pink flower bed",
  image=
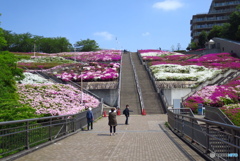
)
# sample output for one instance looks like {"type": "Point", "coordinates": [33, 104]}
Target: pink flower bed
{"type": "Point", "coordinates": [215, 96]}
{"type": "Point", "coordinates": [92, 72]}
{"type": "Point", "coordinates": [98, 56]}
{"type": "Point", "coordinates": [55, 99]}
{"type": "Point", "coordinates": [218, 61]}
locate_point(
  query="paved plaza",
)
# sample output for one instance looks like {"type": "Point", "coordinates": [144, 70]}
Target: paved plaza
{"type": "Point", "coordinates": [145, 139]}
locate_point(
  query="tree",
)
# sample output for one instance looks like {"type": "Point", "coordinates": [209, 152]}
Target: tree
{"type": "Point", "coordinates": [192, 46]}
{"type": "Point", "coordinates": [202, 39]}
{"type": "Point", "coordinates": [86, 45]}
{"type": "Point", "coordinates": [234, 24]}
{"type": "Point", "coordinates": [3, 42]}
{"type": "Point", "coordinates": [215, 32]}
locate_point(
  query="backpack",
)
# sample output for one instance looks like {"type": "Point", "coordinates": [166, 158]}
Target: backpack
{"type": "Point", "coordinates": [124, 112]}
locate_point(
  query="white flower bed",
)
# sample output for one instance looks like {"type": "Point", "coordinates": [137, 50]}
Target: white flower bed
{"type": "Point", "coordinates": [33, 79]}
{"type": "Point", "coordinates": [171, 72]}
{"type": "Point", "coordinates": [161, 54]}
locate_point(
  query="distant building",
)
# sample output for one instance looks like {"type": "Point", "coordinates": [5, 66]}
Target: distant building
{"type": "Point", "coordinates": [218, 14]}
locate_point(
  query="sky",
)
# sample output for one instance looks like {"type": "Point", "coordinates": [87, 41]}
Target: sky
{"type": "Point", "coordinates": [113, 24]}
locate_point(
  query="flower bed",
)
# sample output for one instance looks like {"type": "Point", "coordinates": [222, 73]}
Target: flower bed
{"type": "Point", "coordinates": [33, 79]}
{"type": "Point", "coordinates": [172, 72]}
{"type": "Point", "coordinates": [43, 62]}
{"type": "Point", "coordinates": [89, 72]}
{"type": "Point", "coordinates": [215, 96]}
{"type": "Point", "coordinates": [232, 111]}
{"type": "Point", "coordinates": [98, 56]}
{"type": "Point", "coordinates": [55, 99]}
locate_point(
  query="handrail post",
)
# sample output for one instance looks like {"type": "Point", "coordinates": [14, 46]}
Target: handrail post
{"type": "Point", "coordinates": [192, 131]}
{"type": "Point", "coordinates": [50, 130]}
{"type": "Point", "coordinates": [66, 122]}
{"type": "Point", "coordinates": [27, 135]}
{"type": "Point", "coordinates": [233, 141]}
{"type": "Point", "coordinates": [207, 138]}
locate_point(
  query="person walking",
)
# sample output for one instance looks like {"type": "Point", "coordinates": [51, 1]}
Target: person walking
{"type": "Point", "coordinates": [90, 118]}
{"type": "Point", "coordinates": [126, 113]}
{"type": "Point", "coordinates": [112, 121]}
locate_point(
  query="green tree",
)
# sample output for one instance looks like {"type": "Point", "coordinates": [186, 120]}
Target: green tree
{"type": "Point", "coordinates": [3, 42]}
{"type": "Point", "coordinates": [234, 24]}
{"type": "Point", "coordinates": [192, 46]}
{"type": "Point", "coordinates": [215, 32]}
{"type": "Point", "coordinates": [86, 45]}
{"type": "Point", "coordinates": [9, 73]}
{"type": "Point", "coordinates": [202, 39]}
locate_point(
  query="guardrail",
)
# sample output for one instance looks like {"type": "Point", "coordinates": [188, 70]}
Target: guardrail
{"type": "Point", "coordinates": [22, 136]}
{"type": "Point", "coordinates": [236, 74]}
{"type": "Point", "coordinates": [120, 83]}
{"type": "Point", "coordinates": [214, 113]}
{"type": "Point", "coordinates": [213, 139]}
{"type": "Point", "coordinates": [137, 84]}
{"type": "Point", "coordinates": [159, 92]}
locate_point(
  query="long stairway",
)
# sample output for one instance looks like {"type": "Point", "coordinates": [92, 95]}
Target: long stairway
{"type": "Point", "coordinates": [128, 94]}
{"type": "Point", "coordinates": [151, 99]}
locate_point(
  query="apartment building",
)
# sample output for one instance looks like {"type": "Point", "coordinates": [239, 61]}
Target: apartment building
{"type": "Point", "coordinates": [218, 14]}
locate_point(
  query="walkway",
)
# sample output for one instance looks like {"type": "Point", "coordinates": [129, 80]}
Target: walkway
{"type": "Point", "coordinates": [145, 139]}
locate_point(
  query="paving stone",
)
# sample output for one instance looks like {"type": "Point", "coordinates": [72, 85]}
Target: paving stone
{"type": "Point", "coordinates": [145, 138]}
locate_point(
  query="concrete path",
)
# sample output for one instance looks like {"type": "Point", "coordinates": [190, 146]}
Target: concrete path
{"type": "Point", "coordinates": [145, 139]}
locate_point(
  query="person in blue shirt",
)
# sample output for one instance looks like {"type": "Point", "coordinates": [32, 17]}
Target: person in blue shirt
{"type": "Point", "coordinates": [90, 118]}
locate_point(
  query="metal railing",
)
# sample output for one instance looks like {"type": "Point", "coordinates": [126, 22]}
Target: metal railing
{"type": "Point", "coordinates": [159, 92]}
{"type": "Point", "coordinates": [215, 140]}
{"type": "Point", "coordinates": [25, 135]}
{"type": "Point", "coordinates": [137, 84]}
{"type": "Point", "coordinates": [120, 82]}
{"type": "Point", "coordinates": [214, 113]}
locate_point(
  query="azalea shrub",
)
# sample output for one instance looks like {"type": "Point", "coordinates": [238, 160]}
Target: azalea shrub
{"type": "Point", "coordinates": [173, 72]}
{"type": "Point", "coordinates": [232, 111]}
{"type": "Point", "coordinates": [43, 62]}
{"type": "Point", "coordinates": [97, 56]}
{"type": "Point", "coordinates": [167, 57]}
{"type": "Point", "coordinates": [93, 71]}
{"type": "Point", "coordinates": [215, 96]}
{"type": "Point", "coordinates": [31, 78]}
{"type": "Point", "coordinates": [55, 99]}
{"type": "Point", "coordinates": [154, 55]}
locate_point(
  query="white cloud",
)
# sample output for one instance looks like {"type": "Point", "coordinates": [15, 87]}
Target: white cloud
{"type": "Point", "coordinates": [168, 5]}
{"type": "Point", "coordinates": [105, 35]}
{"type": "Point", "coordinates": [146, 34]}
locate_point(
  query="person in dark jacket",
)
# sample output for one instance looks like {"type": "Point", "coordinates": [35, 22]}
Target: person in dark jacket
{"type": "Point", "coordinates": [112, 121]}
{"type": "Point", "coordinates": [126, 113]}
{"type": "Point", "coordinates": [90, 118]}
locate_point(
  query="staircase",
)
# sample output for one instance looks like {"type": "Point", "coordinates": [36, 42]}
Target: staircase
{"type": "Point", "coordinates": [128, 92]}
{"type": "Point", "coordinates": [150, 97]}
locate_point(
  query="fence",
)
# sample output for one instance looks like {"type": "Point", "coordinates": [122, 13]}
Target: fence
{"type": "Point", "coordinates": [137, 84]}
{"type": "Point", "coordinates": [214, 113]}
{"type": "Point", "coordinates": [215, 140]}
{"type": "Point", "coordinates": [22, 135]}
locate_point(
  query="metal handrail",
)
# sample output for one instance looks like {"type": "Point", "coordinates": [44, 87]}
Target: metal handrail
{"type": "Point", "coordinates": [211, 112]}
{"type": "Point", "coordinates": [24, 135]}
{"type": "Point", "coordinates": [120, 82]}
{"type": "Point", "coordinates": [206, 137]}
{"type": "Point", "coordinates": [137, 83]}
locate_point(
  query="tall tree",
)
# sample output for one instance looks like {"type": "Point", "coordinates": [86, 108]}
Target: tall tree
{"type": "Point", "coordinates": [202, 39]}
{"type": "Point", "coordinates": [3, 42]}
{"type": "Point", "coordinates": [86, 45]}
{"type": "Point", "coordinates": [235, 23]}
